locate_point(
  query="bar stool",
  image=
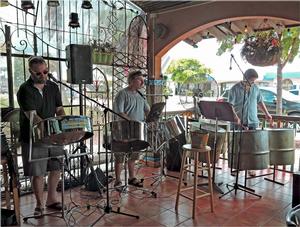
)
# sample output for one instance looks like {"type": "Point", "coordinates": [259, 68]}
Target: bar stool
{"type": "Point", "coordinates": [185, 168]}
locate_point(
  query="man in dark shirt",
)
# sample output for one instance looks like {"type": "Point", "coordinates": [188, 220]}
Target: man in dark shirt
{"type": "Point", "coordinates": [41, 98]}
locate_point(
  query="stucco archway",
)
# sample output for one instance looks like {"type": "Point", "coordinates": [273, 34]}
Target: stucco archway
{"type": "Point", "coordinates": [182, 23]}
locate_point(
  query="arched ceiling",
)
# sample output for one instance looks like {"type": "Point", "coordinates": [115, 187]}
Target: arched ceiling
{"type": "Point", "coordinates": [219, 31]}
{"type": "Point", "coordinates": [170, 22]}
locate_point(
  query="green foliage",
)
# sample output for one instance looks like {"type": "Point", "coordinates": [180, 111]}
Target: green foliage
{"type": "Point", "coordinates": [4, 101]}
{"type": "Point", "coordinates": [289, 41]}
{"type": "Point", "coordinates": [228, 43]}
{"type": "Point", "coordinates": [186, 71]}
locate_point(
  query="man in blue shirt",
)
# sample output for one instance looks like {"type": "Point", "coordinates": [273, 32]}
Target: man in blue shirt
{"type": "Point", "coordinates": [253, 99]}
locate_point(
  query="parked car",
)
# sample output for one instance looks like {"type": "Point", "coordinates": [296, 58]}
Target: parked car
{"type": "Point", "coordinates": [290, 102]}
{"type": "Point", "coordinates": [295, 91]}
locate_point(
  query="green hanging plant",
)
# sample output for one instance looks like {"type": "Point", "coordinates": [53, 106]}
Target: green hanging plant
{"type": "Point", "coordinates": [103, 53]}
{"type": "Point", "coordinates": [261, 49]}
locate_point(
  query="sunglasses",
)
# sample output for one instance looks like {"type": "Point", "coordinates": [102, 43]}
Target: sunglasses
{"type": "Point", "coordinates": [40, 73]}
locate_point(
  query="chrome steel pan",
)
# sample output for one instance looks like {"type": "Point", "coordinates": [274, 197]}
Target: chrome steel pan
{"type": "Point", "coordinates": [132, 134]}
{"type": "Point", "coordinates": [282, 146]}
{"type": "Point", "coordinates": [254, 152]}
{"type": "Point", "coordinates": [62, 130]}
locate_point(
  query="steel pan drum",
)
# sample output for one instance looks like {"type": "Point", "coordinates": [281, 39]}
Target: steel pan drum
{"type": "Point", "coordinates": [62, 130]}
{"type": "Point", "coordinates": [254, 152]}
{"type": "Point", "coordinates": [173, 127]}
{"type": "Point", "coordinates": [282, 146]}
{"type": "Point", "coordinates": [130, 134]}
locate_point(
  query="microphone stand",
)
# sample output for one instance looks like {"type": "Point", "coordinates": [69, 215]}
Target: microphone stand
{"type": "Point", "coordinates": [236, 186]}
{"type": "Point", "coordinates": [108, 208]}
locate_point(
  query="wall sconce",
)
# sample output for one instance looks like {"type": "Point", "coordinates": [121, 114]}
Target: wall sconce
{"type": "Point", "coordinates": [4, 3]}
{"type": "Point", "coordinates": [74, 22]}
{"type": "Point", "coordinates": [53, 3]}
{"type": "Point", "coordinates": [86, 5]}
{"type": "Point", "coordinates": [26, 5]}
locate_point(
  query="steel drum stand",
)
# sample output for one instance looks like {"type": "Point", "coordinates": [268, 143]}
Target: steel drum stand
{"type": "Point", "coordinates": [62, 175]}
{"type": "Point", "coordinates": [62, 212]}
{"type": "Point", "coordinates": [108, 208]}
{"type": "Point", "coordinates": [125, 187]}
{"type": "Point", "coordinates": [236, 186]}
{"type": "Point", "coordinates": [162, 174]}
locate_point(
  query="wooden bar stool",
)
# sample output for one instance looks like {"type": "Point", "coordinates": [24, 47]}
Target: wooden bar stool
{"type": "Point", "coordinates": [196, 168]}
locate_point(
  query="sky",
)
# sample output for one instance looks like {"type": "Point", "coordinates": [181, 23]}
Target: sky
{"type": "Point", "coordinates": [206, 54]}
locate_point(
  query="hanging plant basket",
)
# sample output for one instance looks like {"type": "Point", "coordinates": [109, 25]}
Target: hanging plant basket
{"type": "Point", "coordinates": [261, 50]}
{"type": "Point", "coordinates": [103, 52]}
{"type": "Point", "coordinates": [102, 58]}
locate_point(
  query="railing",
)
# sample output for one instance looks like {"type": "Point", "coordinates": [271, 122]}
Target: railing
{"type": "Point", "coordinates": [280, 121]}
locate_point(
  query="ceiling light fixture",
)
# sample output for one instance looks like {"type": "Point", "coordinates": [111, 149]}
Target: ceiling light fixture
{"type": "Point", "coordinates": [53, 3]}
{"type": "Point", "coordinates": [86, 5]}
{"type": "Point", "coordinates": [74, 21]}
{"type": "Point", "coordinates": [26, 5]}
{"type": "Point", "coordinates": [246, 29]}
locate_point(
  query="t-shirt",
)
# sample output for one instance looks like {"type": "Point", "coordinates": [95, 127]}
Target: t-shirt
{"type": "Point", "coordinates": [45, 104]}
{"type": "Point", "coordinates": [132, 103]}
{"type": "Point", "coordinates": [252, 98]}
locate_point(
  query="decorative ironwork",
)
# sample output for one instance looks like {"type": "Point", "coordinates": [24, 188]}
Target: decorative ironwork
{"type": "Point", "coordinates": [49, 34]}
{"type": "Point", "coordinates": [137, 43]}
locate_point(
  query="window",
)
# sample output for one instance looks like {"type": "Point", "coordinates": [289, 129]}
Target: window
{"type": "Point", "coordinates": [268, 96]}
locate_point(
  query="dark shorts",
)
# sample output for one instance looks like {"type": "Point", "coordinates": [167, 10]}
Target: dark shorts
{"type": "Point", "coordinates": [40, 168]}
{"type": "Point", "coordinates": [122, 150]}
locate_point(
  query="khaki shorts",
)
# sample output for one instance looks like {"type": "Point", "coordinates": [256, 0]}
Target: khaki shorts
{"type": "Point", "coordinates": [122, 150]}
{"type": "Point", "coordinates": [40, 168]}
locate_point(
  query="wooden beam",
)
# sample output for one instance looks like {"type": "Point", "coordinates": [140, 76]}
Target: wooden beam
{"type": "Point", "coordinates": [216, 33]}
{"type": "Point", "coordinates": [237, 25]}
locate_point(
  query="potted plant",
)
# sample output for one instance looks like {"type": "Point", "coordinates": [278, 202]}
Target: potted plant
{"type": "Point", "coordinates": [103, 53]}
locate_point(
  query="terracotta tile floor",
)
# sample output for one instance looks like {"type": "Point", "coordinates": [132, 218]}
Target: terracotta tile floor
{"type": "Point", "coordinates": [242, 209]}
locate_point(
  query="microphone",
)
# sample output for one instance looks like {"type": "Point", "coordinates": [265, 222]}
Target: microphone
{"type": "Point", "coordinates": [52, 77]}
{"type": "Point", "coordinates": [230, 66]}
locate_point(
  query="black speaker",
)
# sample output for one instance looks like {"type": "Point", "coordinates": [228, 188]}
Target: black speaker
{"type": "Point", "coordinates": [91, 181]}
{"type": "Point", "coordinates": [173, 162]}
{"type": "Point", "coordinates": [79, 63]}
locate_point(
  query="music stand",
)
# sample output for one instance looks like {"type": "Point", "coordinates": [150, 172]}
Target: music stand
{"type": "Point", "coordinates": [222, 111]}
{"type": "Point", "coordinates": [155, 112]}
{"type": "Point", "coordinates": [216, 111]}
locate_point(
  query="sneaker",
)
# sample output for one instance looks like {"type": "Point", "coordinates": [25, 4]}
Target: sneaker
{"type": "Point", "coordinates": [38, 211]}
{"type": "Point", "coordinates": [135, 182]}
